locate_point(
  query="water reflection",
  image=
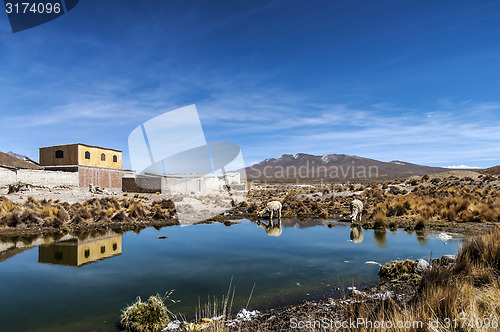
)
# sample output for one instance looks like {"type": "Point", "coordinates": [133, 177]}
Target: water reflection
{"type": "Point", "coordinates": [310, 253]}
{"type": "Point", "coordinates": [421, 237]}
{"type": "Point", "coordinates": [380, 237]}
{"type": "Point", "coordinates": [356, 233]}
{"type": "Point", "coordinates": [11, 246]}
{"type": "Point", "coordinates": [271, 228]}
{"type": "Point", "coordinates": [64, 249]}
{"type": "Point", "coordinates": [77, 252]}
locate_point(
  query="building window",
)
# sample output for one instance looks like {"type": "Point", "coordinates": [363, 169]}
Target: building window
{"type": "Point", "coordinates": [115, 159]}
{"type": "Point", "coordinates": [87, 155]}
{"type": "Point", "coordinates": [59, 154]}
{"type": "Point", "coordinates": [103, 249]}
{"type": "Point", "coordinates": [87, 253]}
{"type": "Point", "coordinates": [115, 246]}
{"type": "Point", "coordinates": [103, 157]}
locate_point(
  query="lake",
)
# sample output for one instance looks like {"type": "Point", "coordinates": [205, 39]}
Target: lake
{"type": "Point", "coordinates": [81, 284]}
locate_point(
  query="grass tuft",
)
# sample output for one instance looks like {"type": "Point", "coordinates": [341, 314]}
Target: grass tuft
{"type": "Point", "coordinates": [379, 220]}
{"type": "Point", "coordinates": [150, 316]}
{"type": "Point", "coordinates": [421, 220]}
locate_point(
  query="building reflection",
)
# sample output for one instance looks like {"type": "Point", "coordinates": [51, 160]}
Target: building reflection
{"type": "Point", "coordinates": [77, 252]}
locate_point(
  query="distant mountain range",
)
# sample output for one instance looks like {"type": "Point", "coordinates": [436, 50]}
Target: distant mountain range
{"type": "Point", "coordinates": [495, 170]}
{"type": "Point", "coordinates": [334, 167]}
{"type": "Point", "coordinates": [18, 156]}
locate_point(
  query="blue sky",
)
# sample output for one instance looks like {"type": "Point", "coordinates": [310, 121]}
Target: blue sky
{"type": "Point", "coordinates": [389, 80]}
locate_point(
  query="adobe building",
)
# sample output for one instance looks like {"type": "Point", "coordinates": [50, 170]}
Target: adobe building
{"type": "Point", "coordinates": [95, 165]}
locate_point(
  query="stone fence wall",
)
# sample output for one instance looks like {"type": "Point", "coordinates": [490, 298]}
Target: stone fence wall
{"type": "Point", "coordinates": [38, 178]}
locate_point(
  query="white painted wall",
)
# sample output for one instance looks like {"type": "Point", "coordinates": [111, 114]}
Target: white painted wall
{"type": "Point", "coordinates": [38, 178]}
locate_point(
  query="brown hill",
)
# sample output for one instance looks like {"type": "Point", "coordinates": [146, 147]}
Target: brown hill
{"type": "Point", "coordinates": [10, 161]}
{"type": "Point", "coordinates": [495, 170]}
{"type": "Point", "coordinates": [334, 167]}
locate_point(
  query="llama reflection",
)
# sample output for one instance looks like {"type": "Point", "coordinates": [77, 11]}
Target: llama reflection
{"type": "Point", "coordinates": [356, 234]}
{"type": "Point", "coordinates": [271, 228]}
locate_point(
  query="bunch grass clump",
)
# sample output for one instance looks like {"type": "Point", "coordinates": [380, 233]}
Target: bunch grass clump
{"type": "Point", "coordinates": [420, 224]}
{"type": "Point", "coordinates": [150, 316]}
{"type": "Point", "coordinates": [379, 220]}
{"type": "Point", "coordinates": [53, 214]}
{"type": "Point", "coordinates": [396, 269]}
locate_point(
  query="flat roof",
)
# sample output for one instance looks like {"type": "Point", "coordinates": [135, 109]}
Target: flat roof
{"type": "Point", "coordinates": [90, 146]}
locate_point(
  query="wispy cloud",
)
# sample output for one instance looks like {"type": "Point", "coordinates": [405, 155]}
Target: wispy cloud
{"type": "Point", "coordinates": [462, 167]}
{"type": "Point", "coordinates": [278, 123]}
{"type": "Point", "coordinates": [116, 85]}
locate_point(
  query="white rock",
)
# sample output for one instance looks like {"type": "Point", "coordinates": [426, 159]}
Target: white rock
{"type": "Point", "coordinates": [444, 236]}
{"type": "Point", "coordinates": [174, 325]}
{"type": "Point", "coordinates": [246, 315]}
{"type": "Point", "coordinates": [372, 263]}
{"type": "Point", "coordinates": [422, 265]}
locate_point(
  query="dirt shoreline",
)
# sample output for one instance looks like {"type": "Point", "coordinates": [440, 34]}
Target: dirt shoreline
{"type": "Point", "coordinates": [332, 311]}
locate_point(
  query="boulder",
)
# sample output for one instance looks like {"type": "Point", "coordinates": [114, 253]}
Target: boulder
{"type": "Point", "coordinates": [422, 266]}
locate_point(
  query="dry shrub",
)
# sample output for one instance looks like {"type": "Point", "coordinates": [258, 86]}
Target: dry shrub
{"type": "Point", "coordinates": [52, 222]}
{"type": "Point", "coordinates": [449, 214]}
{"type": "Point", "coordinates": [77, 220]}
{"type": "Point", "coordinates": [6, 206]}
{"type": "Point", "coordinates": [157, 213]}
{"type": "Point", "coordinates": [426, 211]}
{"type": "Point", "coordinates": [420, 224]}
{"type": "Point", "coordinates": [29, 218]}
{"type": "Point", "coordinates": [84, 213]}
{"type": "Point", "coordinates": [120, 216]}
{"type": "Point", "coordinates": [379, 220]}
{"type": "Point", "coordinates": [10, 220]}
{"type": "Point", "coordinates": [62, 215]}
{"type": "Point", "coordinates": [136, 211]}
{"type": "Point", "coordinates": [164, 204]}
{"type": "Point", "coordinates": [464, 291]}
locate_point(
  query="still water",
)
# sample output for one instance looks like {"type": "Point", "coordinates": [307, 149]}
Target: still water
{"type": "Point", "coordinates": [82, 284]}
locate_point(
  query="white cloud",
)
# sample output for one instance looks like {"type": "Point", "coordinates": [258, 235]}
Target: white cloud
{"type": "Point", "coordinates": [463, 167]}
